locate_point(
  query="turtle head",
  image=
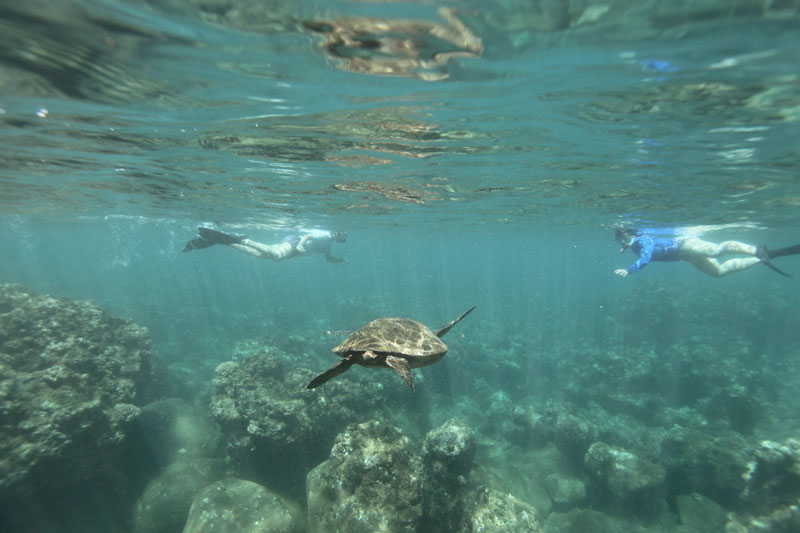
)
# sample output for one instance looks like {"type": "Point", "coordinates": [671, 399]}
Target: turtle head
{"type": "Point", "coordinates": [339, 236]}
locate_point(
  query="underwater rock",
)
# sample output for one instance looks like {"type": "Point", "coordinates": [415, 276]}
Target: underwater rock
{"type": "Point", "coordinates": [573, 436]}
{"type": "Point", "coordinates": [165, 503]}
{"type": "Point", "coordinates": [623, 482]}
{"type": "Point", "coordinates": [565, 493]}
{"type": "Point", "coordinates": [450, 447]}
{"type": "Point", "coordinates": [782, 520]}
{"type": "Point", "coordinates": [371, 482]}
{"type": "Point", "coordinates": [274, 428]}
{"type": "Point", "coordinates": [237, 506]}
{"type": "Point", "coordinates": [492, 511]}
{"type": "Point", "coordinates": [698, 513]}
{"type": "Point", "coordinates": [736, 405]}
{"type": "Point", "coordinates": [70, 378]}
{"type": "Point", "coordinates": [709, 464]}
{"type": "Point", "coordinates": [448, 456]}
{"type": "Point", "coordinates": [172, 429]}
{"type": "Point", "coordinates": [584, 521]}
{"type": "Point", "coordinates": [772, 489]}
{"type": "Point", "coordinates": [773, 477]}
{"type": "Point", "coordinates": [527, 427]}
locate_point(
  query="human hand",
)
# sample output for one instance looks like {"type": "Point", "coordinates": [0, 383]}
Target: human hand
{"type": "Point", "coordinates": [301, 245]}
{"type": "Point", "coordinates": [621, 272]}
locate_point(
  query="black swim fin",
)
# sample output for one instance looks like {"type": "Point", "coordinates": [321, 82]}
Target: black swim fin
{"type": "Point", "coordinates": [219, 237]}
{"type": "Point", "coordinates": [765, 256]}
{"type": "Point", "coordinates": [780, 252]}
{"type": "Point", "coordinates": [197, 244]}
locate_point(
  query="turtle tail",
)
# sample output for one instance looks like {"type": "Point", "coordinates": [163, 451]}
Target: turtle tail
{"type": "Point", "coordinates": [444, 329]}
{"type": "Point", "coordinates": [339, 368]}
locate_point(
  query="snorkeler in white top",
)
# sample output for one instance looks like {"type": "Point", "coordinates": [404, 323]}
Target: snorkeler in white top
{"type": "Point", "coordinates": [310, 243]}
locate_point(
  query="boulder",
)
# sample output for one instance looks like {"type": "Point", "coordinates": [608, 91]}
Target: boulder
{"type": "Point", "coordinates": [701, 514]}
{"type": "Point", "coordinates": [371, 482]}
{"type": "Point", "coordinates": [565, 493]}
{"type": "Point", "coordinates": [448, 456]}
{"type": "Point", "coordinates": [624, 482]}
{"type": "Point", "coordinates": [165, 503]}
{"type": "Point", "coordinates": [492, 511]}
{"type": "Point", "coordinates": [238, 506]}
{"type": "Point", "coordinates": [708, 463]}
{"type": "Point", "coordinates": [771, 498]}
{"type": "Point", "coordinates": [274, 428]}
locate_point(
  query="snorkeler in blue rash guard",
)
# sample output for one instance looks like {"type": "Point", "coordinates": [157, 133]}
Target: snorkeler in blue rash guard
{"type": "Point", "coordinates": [700, 254]}
{"type": "Point", "coordinates": [312, 242]}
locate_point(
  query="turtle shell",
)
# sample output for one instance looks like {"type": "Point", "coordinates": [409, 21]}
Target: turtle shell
{"type": "Point", "coordinates": [401, 336]}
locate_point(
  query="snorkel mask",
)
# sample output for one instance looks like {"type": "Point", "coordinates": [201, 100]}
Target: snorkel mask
{"type": "Point", "coordinates": [625, 238]}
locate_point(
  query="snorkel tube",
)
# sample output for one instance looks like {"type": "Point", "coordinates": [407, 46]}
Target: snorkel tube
{"type": "Point", "coordinates": [625, 237]}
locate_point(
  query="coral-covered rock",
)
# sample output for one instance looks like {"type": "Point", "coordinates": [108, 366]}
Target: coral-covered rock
{"type": "Point", "coordinates": [771, 498]}
{"type": "Point", "coordinates": [448, 455]}
{"type": "Point", "coordinates": [371, 482]}
{"type": "Point", "coordinates": [573, 436]}
{"type": "Point", "coordinates": [275, 428]}
{"type": "Point", "coordinates": [450, 448]}
{"type": "Point", "coordinates": [70, 378]}
{"type": "Point", "coordinates": [491, 511]}
{"type": "Point", "coordinates": [165, 503]}
{"type": "Point", "coordinates": [773, 477]}
{"type": "Point", "coordinates": [238, 506]}
{"type": "Point", "coordinates": [709, 464]}
{"type": "Point", "coordinates": [622, 481]}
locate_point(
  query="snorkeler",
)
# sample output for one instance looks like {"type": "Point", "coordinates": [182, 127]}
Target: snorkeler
{"type": "Point", "coordinates": [313, 242]}
{"type": "Point", "coordinates": [700, 254]}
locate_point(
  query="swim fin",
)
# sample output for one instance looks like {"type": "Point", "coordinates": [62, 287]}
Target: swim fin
{"type": "Point", "coordinates": [197, 244]}
{"type": "Point", "coordinates": [765, 256]}
{"type": "Point", "coordinates": [780, 252]}
{"type": "Point", "coordinates": [219, 237]}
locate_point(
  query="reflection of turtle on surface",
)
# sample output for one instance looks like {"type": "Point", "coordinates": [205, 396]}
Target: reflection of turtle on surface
{"type": "Point", "coordinates": [397, 343]}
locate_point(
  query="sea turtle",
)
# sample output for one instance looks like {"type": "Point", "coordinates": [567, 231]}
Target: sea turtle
{"type": "Point", "coordinates": [397, 343]}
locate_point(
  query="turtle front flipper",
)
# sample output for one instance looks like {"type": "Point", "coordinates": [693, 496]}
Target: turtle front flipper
{"type": "Point", "coordinates": [339, 368]}
{"type": "Point", "coordinates": [400, 366]}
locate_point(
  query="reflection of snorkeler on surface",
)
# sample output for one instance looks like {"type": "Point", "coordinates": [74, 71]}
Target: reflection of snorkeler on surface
{"type": "Point", "coordinates": [680, 246]}
{"type": "Point", "coordinates": [312, 242]}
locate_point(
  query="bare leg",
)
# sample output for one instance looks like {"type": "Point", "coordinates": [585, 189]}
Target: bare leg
{"type": "Point", "coordinates": [276, 252]}
{"type": "Point", "coordinates": [712, 267]}
{"type": "Point", "coordinates": [696, 247]}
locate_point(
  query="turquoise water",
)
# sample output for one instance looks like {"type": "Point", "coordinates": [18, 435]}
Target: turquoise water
{"type": "Point", "coordinates": [480, 155]}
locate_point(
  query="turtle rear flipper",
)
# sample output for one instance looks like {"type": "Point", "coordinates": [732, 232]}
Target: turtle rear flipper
{"type": "Point", "coordinates": [400, 365]}
{"type": "Point", "coordinates": [444, 329]}
{"type": "Point", "coordinates": [339, 368]}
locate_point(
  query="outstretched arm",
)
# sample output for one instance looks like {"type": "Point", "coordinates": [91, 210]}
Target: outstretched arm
{"type": "Point", "coordinates": [645, 256]}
